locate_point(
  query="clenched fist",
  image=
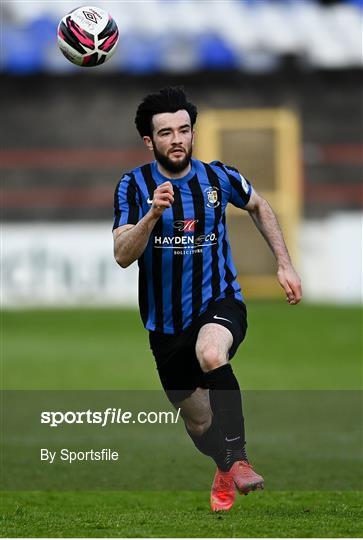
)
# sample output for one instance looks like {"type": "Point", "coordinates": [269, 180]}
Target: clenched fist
{"type": "Point", "coordinates": [163, 198]}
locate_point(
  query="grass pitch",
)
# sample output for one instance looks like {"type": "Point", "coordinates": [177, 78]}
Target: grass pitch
{"type": "Point", "coordinates": [181, 514]}
{"type": "Point", "coordinates": [287, 348]}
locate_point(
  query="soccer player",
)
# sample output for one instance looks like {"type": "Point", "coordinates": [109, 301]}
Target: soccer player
{"type": "Point", "coordinates": [170, 217]}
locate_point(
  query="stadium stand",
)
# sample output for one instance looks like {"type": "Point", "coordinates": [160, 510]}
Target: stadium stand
{"type": "Point", "coordinates": [163, 36]}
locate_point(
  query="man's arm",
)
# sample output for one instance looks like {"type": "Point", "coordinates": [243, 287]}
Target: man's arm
{"type": "Point", "coordinates": [266, 221]}
{"type": "Point", "coordinates": [130, 241]}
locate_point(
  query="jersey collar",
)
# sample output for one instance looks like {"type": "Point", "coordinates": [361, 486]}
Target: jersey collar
{"type": "Point", "coordinates": [161, 178]}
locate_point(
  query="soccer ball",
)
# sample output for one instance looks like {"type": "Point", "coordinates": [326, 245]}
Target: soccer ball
{"type": "Point", "coordinates": [87, 36]}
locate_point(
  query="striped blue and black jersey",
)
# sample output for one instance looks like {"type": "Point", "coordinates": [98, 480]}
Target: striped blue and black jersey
{"type": "Point", "coordinates": [187, 262]}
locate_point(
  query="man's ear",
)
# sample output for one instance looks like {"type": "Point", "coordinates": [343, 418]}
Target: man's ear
{"type": "Point", "coordinates": [148, 143]}
{"type": "Point", "coordinates": [193, 137]}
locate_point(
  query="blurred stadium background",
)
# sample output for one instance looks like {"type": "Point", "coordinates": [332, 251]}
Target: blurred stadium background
{"type": "Point", "coordinates": [290, 71]}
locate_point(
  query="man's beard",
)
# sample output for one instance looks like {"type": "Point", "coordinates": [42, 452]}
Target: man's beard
{"type": "Point", "coordinates": [173, 166]}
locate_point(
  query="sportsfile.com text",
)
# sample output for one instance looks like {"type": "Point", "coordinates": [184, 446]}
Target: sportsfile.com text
{"type": "Point", "coordinates": [108, 416]}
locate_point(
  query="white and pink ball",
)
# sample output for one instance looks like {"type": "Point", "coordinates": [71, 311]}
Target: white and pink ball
{"type": "Point", "coordinates": [87, 36]}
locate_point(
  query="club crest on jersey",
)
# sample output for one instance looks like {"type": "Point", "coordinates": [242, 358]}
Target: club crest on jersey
{"type": "Point", "coordinates": [212, 197]}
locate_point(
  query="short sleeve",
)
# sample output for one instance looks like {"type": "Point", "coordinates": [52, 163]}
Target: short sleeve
{"type": "Point", "coordinates": [126, 202]}
{"type": "Point", "coordinates": [240, 189]}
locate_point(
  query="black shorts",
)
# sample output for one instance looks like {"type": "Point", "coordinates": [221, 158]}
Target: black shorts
{"type": "Point", "coordinates": [175, 356]}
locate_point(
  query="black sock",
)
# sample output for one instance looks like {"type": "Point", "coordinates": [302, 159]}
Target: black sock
{"type": "Point", "coordinates": [226, 403]}
{"type": "Point", "coordinates": [211, 444]}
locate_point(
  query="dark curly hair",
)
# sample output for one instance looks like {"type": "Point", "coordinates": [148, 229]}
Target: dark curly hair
{"type": "Point", "coordinates": [170, 99]}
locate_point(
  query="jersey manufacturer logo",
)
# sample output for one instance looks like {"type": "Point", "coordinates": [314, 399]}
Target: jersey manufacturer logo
{"type": "Point", "coordinates": [187, 225]}
{"type": "Point", "coordinates": [149, 201]}
{"type": "Point", "coordinates": [212, 197]}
